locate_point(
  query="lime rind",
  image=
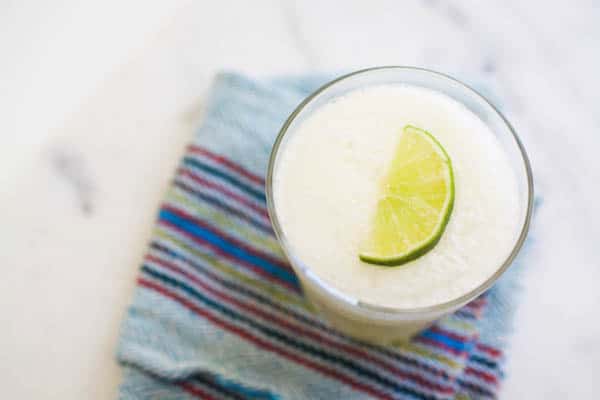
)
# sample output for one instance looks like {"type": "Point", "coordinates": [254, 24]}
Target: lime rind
{"type": "Point", "coordinates": [426, 244]}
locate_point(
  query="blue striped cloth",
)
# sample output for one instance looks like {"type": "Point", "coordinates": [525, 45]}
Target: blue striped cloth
{"type": "Point", "coordinates": [218, 313]}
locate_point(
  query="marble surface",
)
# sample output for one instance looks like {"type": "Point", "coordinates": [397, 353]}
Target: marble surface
{"type": "Point", "coordinates": [98, 102]}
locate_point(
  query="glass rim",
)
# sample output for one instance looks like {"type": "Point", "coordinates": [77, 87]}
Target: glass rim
{"type": "Point", "coordinates": [356, 302]}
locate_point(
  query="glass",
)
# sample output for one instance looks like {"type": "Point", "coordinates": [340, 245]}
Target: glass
{"type": "Point", "coordinates": [351, 315]}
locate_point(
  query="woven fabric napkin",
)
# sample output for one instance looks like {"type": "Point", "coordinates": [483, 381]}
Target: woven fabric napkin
{"type": "Point", "coordinates": [218, 313]}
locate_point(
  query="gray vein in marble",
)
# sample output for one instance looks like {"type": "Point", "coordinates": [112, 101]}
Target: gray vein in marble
{"type": "Point", "coordinates": [552, 54]}
{"type": "Point", "coordinates": [452, 12]}
{"type": "Point", "coordinates": [294, 25]}
{"type": "Point", "coordinates": [489, 65]}
{"type": "Point", "coordinates": [70, 167]}
{"type": "Point", "coordinates": [456, 15]}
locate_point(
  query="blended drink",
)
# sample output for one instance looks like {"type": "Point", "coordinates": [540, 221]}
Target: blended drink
{"type": "Point", "coordinates": [395, 196]}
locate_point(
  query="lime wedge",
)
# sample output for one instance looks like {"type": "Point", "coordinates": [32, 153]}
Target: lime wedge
{"type": "Point", "coordinates": [415, 203]}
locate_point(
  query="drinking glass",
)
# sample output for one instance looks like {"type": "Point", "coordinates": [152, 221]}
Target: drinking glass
{"type": "Point", "coordinates": [352, 315]}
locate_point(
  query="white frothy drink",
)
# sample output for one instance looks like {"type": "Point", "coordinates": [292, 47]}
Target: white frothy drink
{"type": "Point", "coordinates": [326, 181]}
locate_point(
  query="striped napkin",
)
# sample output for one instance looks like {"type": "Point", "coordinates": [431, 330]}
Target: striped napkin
{"type": "Point", "coordinates": [218, 312]}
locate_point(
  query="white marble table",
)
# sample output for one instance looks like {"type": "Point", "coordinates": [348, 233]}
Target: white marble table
{"type": "Point", "coordinates": [98, 102]}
